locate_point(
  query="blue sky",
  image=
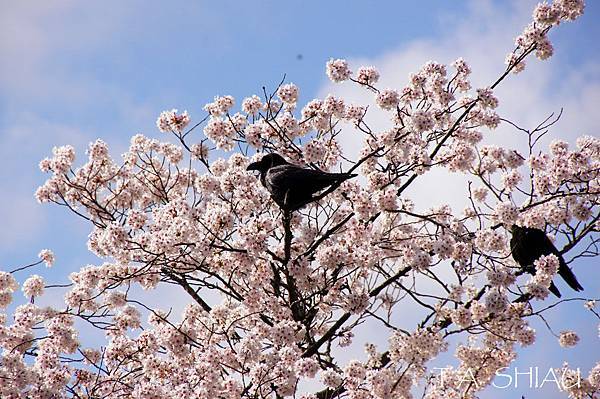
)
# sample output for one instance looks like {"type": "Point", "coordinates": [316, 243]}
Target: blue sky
{"type": "Point", "coordinates": [74, 71]}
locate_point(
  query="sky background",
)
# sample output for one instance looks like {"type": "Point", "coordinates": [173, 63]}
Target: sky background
{"type": "Point", "coordinates": [73, 71]}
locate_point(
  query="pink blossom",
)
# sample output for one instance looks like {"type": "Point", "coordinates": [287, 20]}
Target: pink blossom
{"type": "Point", "coordinates": [172, 121]}
{"type": "Point", "coordinates": [47, 256]}
{"type": "Point", "coordinates": [388, 99]}
{"type": "Point", "coordinates": [221, 105]}
{"type": "Point", "coordinates": [252, 105]}
{"type": "Point", "coordinates": [7, 282]}
{"type": "Point", "coordinates": [568, 339]}
{"type": "Point", "coordinates": [33, 286]}
{"type": "Point", "coordinates": [338, 70]}
{"type": "Point", "coordinates": [422, 121]}
{"type": "Point", "coordinates": [288, 93]}
{"type": "Point", "coordinates": [367, 75]}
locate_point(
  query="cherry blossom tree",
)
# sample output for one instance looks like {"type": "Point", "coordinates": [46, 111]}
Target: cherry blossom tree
{"type": "Point", "coordinates": [272, 305]}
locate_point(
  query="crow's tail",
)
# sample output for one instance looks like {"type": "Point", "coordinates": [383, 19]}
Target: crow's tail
{"type": "Point", "coordinates": [553, 289]}
{"type": "Point", "coordinates": [567, 274]}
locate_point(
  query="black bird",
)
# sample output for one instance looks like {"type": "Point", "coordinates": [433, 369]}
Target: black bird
{"type": "Point", "coordinates": [291, 186]}
{"type": "Point", "coordinates": [528, 244]}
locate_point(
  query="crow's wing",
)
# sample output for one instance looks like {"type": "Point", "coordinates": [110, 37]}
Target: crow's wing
{"type": "Point", "coordinates": [528, 245]}
{"type": "Point", "coordinates": [540, 243]}
{"type": "Point", "coordinates": [516, 249]}
{"type": "Point", "coordinates": [300, 180]}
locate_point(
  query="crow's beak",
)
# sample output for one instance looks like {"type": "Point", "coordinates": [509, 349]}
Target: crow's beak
{"type": "Point", "coordinates": [254, 166]}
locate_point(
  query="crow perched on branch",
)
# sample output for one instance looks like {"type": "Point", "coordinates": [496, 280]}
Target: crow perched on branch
{"type": "Point", "coordinates": [528, 244]}
{"type": "Point", "coordinates": [291, 186]}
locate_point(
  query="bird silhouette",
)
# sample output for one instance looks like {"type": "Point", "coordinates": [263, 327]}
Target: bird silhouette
{"type": "Point", "coordinates": [292, 186]}
{"type": "Point", "coordinates": [528, 244]}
